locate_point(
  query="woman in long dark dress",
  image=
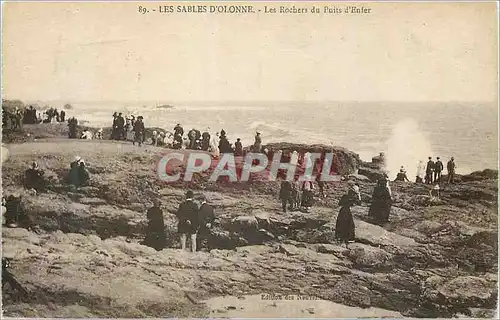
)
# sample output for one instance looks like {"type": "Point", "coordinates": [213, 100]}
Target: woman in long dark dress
{"type": "Point", "coordinates": [344, 228]}
{"type": "Point", "coordinates": [381, 202]}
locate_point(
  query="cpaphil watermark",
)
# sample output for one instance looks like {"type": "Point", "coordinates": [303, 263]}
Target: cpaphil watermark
{"type": "Point", "coordinates": [181, 165]}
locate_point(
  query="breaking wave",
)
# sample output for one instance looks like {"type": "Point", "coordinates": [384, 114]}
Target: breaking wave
{"type": "Point", "coordinates": [405, 147]}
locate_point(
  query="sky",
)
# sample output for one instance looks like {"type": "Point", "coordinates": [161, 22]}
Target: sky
{"type": "Point", "coordinates": [109, 51]}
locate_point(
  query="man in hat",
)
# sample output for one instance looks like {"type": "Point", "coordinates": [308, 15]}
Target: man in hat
{"type": "Point", "coordinates": [114, 130]}
{"type": "Point", "coordinates": [120, 123]}
{"type": "Point", "coordinates": [451, 166]}
{"type": "Point", "coordinates": [258, 142]}
{"type": "Point", "coordinates": [428, 171]}
{"type": "Point", "coordinates": [188, 221]}
{"type": "Point", "coordinates": [138, 131]}
{"type": "Point", "coordinates": [206, 219]}
{"type": "Point", "coordinates": [155, 231]}
{"type": "Point", "coordinates": [438, 168]}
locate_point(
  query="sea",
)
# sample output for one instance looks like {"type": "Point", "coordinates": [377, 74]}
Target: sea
{"type": "Point", "coordinates": [406, 132]}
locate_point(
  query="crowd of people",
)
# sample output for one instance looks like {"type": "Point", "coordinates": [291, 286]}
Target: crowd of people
{"type": "Point", "coordinates": [15, 118]}
{"type": "Point", "coordinates": [195, 215]}
{"type": "Point", "coordinates": [195, 219]}
{"type": "Point", "coordinates": [132, 128]}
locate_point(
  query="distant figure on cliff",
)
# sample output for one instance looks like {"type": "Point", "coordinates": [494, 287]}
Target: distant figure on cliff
{"type": "Point", "coordinates": [205, 140]}
{"type": "Point", "coordinates": [72, 124]}
{"type": "Point", "coordinates": [99, 134]}
{"type": "Point", "coordinates": [188, 221]}
{"type": "Point", "coordinates": [380, 207]}
{"type": "Point", "coordinates": [451, 166]}
{"type": "Point", "coordinates": [138, 131]}
{"type": "Point", "coordinates": [257, 145]}
{"type": "Point", "coordinates": [114, 127]}
{"type": "Point", "coordinates": [438, 168]}
{"type": "Point", "coordinates": [428, 171]}
{"type": "Point", "coordinates": [155, 231]}
{"type": "Point", "coordinates": [120, 127]}
{"type": "Point", "coordinates": [214, 143]}
{"type": "Point", "coordinates": [224, 145]}
{"type": "Point", "coordinates": [344, 227]}
{"type": "Point", "coordinates": [178, 132]}
{"type": "Point", "coordinates": [401, 176]}
{"type": "Point", "coordinates": [154, 138]}
{"type": "Point", "coordinates": [238, 148]}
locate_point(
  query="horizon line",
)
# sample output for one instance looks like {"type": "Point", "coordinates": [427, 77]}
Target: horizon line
{"type": "Point", "coordinates": [158, 101]}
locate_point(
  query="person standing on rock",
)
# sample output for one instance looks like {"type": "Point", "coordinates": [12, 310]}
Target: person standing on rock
{"type": "Point", "coordinates": [138, 131]}
{"type": "Point", "coordinates": [438, 168]}
{"type": "Point", "coordinates": [206, 219]}
{"type": "Point", "coordinates": [257, 145]}
{"type": "Point", "coordinates": [429, 170]}
{"type": "Point", "coordinates": [114, 130]}
{"type": "Point", "coordinates": [205, 140]}
{"type": "Point", "coordinates": [344, 227]}
{"type": "Point", "coordinates": [295, 196]}
{"type": "Point", "coordinates": [120, 123]}
{"type": "Point", "coordinates": [307, 195]}
{"type": "Point", "coordinates": [188, 221]}
{"type": "Point", "coordinates": [451, 166]}
{"type": "Point", "coordinates": [238, 148]}
{"type": "Point", "coordinates": [285, 194]}
{"type": "Point", "coordinates": [155, 232]}
{"type": "Point", "coordinates": [380, 207]}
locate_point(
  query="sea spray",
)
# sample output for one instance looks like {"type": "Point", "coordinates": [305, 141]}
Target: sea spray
{"type": "Point", "coordinates": [405, 147]}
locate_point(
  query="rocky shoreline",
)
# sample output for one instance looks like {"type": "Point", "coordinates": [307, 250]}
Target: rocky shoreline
{"type": "Point", "coordinates": [436, 258]}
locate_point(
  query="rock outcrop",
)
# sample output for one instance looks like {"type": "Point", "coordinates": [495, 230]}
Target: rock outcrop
{"type": "Point", "coordinates": [83, 257]}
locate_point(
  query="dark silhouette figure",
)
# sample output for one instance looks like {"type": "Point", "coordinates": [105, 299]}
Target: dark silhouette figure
{"type": "Point", "coordinates": [438, 168]}
{"type": "Point", "coordinates": [285, 194]}
{"type": "Point", "coordinates": [138, 131]}
{"type": "Point", "coordinates": [238, 148]}
{"type": "Point", "coordinates": [428, 171]}
{"type": "Point", "coordinates": [451, 166]}
{"type": "Point", "coordinates": [155, 231]}
{"type": "Point", "coordinates": [380, 207]}
{"type": "Point", "coordinates": [344, 227]}
{"type": "Point", "coordinates": [206, 218]}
